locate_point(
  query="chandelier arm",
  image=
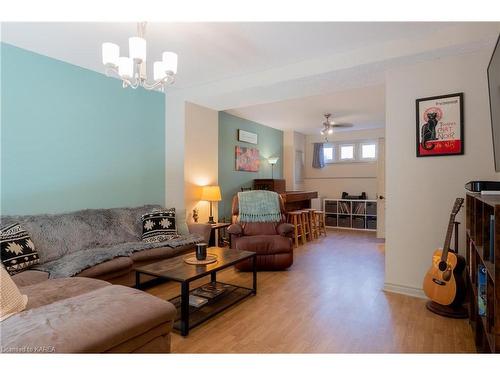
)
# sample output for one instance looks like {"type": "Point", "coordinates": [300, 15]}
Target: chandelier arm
{"type": "Point", "coordinates": [154, 85]}
{"type": "Point", "coordinates": [111, 70]}
{"type": "Point", "coordinates": [134, 82]}
{"type": "Point", "coordinates": [168, 80]}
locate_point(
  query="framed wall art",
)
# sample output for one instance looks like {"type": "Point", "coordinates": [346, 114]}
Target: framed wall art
{"type": "Point", "coordinates": [244, 136]}
{"type": "Point", "coordinates": [440, 125]}
{"type": "Point", "coordinates": [247, 159]}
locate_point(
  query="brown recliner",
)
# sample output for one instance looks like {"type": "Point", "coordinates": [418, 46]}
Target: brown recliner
{"type": "Point", "coordinates": [270, 240]}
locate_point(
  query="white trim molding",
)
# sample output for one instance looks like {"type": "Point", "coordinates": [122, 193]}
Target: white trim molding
{"type": "Point", "coordinates": [406, 290]}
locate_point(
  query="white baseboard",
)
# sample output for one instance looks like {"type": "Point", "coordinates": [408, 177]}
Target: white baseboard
{"type": "Point", "coordinates": [406, 290]}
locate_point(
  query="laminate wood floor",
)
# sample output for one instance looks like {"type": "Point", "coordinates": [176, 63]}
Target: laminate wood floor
{"type": "Point", "coordinates": [329, 301]}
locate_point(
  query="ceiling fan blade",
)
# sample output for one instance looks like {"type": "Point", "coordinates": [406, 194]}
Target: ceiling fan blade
{"type": "Point", "coordinates": [343, 125]}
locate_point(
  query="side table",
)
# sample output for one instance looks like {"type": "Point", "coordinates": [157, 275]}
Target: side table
{"type": "Point", "coordinates": [215, 235]}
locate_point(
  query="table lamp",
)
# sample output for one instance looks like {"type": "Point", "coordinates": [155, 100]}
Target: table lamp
{"type": "Point", "coordinates": [211, 194]}
{"type": "Point", "coordinates": [273, 160]}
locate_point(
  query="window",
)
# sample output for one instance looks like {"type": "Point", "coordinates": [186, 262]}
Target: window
{"type": "Point", "coordinates": [328, 153]}
{"type": "Point", "coordinates": [368, 151]}
{"type": "Point", "coordinates": [353, 152]}
{"type": "Point", "coordinates": [346, 152]}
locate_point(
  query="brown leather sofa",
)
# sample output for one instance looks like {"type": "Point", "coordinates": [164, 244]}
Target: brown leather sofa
{"type": "Point", "coordinates": [270, 240]}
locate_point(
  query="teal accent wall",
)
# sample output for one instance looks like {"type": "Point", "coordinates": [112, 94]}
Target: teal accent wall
{"type": "Point", "coordinates": [270, 143]}
{"type": "Point", "coordinates": [72, 138]}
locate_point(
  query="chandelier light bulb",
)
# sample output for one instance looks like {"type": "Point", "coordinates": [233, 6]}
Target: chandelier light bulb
{"type": "Point", "coordinates": [330, 131]}
{"type": "Point", "coordinates": [126, 67]}
{"type": "Point", "coordinates": [137, 48]}
{"type": "Point", "coordinates": [159, 71]}
{"type": "Point", "coordinates": [110, 54]}
{"type": "Point", "coordinates": [170, 62]}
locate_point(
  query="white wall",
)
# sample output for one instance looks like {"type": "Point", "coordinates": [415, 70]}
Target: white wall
{"type": "Point", "coordinates": [420, 191]}
{"type": "Point", "coordinates": [292, 142]}
{"type": "Point", "coordinates": [333, 179]}
{"type": "Point", "coordinates": [200, 157]}
{"type": "Point", "coordinates": [174, 151]}
{"type": "Point", "coordinates": [299, 141]}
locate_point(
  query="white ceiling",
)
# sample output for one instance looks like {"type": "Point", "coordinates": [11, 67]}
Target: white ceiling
{"type": "Point", "coordinates": [212, 51]}
{"type": "Point", "coordinates": [364, 107]}
{"type": "Point", "coordinates": [284, 75]}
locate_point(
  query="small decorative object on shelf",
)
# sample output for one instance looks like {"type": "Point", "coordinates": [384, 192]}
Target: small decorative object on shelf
{"type": "Point", "coordinates": [196, 215]}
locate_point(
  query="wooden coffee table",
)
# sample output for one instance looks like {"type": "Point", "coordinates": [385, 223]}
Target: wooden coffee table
{"type": "Point", "coordinates": [175, 269]}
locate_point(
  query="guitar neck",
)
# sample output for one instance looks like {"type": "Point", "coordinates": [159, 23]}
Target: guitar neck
{"type": "Point", "coordinates": [447, 239]}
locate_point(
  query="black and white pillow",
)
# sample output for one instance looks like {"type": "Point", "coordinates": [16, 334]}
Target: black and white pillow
{"type": "Point", "coordinates": [17, 250]}
{"type": "Point", "coordinates": [159, 226]}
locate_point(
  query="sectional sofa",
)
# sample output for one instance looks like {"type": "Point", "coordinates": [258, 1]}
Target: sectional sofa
{"type": "Point", "coordinates": [73, 306]}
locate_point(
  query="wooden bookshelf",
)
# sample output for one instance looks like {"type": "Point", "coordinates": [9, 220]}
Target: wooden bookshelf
{"type": "Point", "coordinates": [483, 250]}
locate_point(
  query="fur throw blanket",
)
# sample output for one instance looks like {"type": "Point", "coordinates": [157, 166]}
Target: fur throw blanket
{"type": "Point", "coordinates": [73, 263]}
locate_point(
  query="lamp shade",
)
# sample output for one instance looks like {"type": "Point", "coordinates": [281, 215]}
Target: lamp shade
{"type": "Point", "coordinates": [170, 62]}
{"type": "Point", "coordinates": [211, 193]}
{"type": "Point", "coordinates": [159, 70]}
{"type": "Point", "coordinates": [110, 54]}
{"type": "Point", "coordinates": [273, 160]}
{"type": "Point", "coordinates": [126, 67]}
{"type": "Point", "coordinates": [137, 48]}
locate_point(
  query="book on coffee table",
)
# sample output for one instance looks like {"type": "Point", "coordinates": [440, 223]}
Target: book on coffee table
{"type": "Point", "coordinates": [196, 301]}
{"type": "Point", "coordinates": [209, 291]}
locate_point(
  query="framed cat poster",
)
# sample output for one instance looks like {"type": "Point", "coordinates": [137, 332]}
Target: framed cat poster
{"type": "Point", "coordinates": [440, 125]}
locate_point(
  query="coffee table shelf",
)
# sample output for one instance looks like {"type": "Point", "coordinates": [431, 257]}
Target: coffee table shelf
{"type": "Point", "coordinates": [197, 315]}
{"type": "Point", "coordinates": [175, 269]}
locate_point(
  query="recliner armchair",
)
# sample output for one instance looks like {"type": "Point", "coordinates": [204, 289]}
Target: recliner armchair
{"type": "Point", "coordinates": [272, 241]}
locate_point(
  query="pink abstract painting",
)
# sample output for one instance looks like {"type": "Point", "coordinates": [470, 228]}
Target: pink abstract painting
{"type": "Point", "coordinates": [247, 159]}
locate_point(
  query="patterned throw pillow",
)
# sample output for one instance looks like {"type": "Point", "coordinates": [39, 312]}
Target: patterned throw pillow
{"type": "Point", "coordinates": [11, 299]}
{"type": "Point", "coordinates": [17, 250]}
{"type": "Point", "coordinates": [159, 226]}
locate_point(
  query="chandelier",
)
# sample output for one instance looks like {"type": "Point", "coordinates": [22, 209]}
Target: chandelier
{"type": "Point", "coordinates": [132, 69]}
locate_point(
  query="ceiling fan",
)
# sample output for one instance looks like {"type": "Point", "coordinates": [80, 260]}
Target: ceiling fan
{"type": "Point", "coordinates": [329, 125]}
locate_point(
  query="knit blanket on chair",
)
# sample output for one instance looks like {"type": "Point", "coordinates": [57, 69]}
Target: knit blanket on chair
{"type": "Point", "coordinates": [259, 206]}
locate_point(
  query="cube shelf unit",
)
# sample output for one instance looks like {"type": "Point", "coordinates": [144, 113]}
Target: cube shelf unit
{"type": "Point", "coordinates": [350, 214]}
{"type": "Point", "coordinates": [483, 270]}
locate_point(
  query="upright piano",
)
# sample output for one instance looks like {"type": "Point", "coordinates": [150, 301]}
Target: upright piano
{"type": "Point", "coordinates": [294, 200]}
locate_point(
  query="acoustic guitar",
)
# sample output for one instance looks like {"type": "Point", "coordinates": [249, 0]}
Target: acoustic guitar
{"type": "Point", "coordinates": [443, 282]}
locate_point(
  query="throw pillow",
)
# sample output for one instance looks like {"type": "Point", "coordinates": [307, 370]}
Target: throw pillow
{"type": "Point", "coordinates": [11, 299]}
{"type": "Point", "coordinates": [159, 226]}
{"type": "Point", "coordinates": [180, 219]}
{"type": "Point", "coordinates": [17, 250]}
